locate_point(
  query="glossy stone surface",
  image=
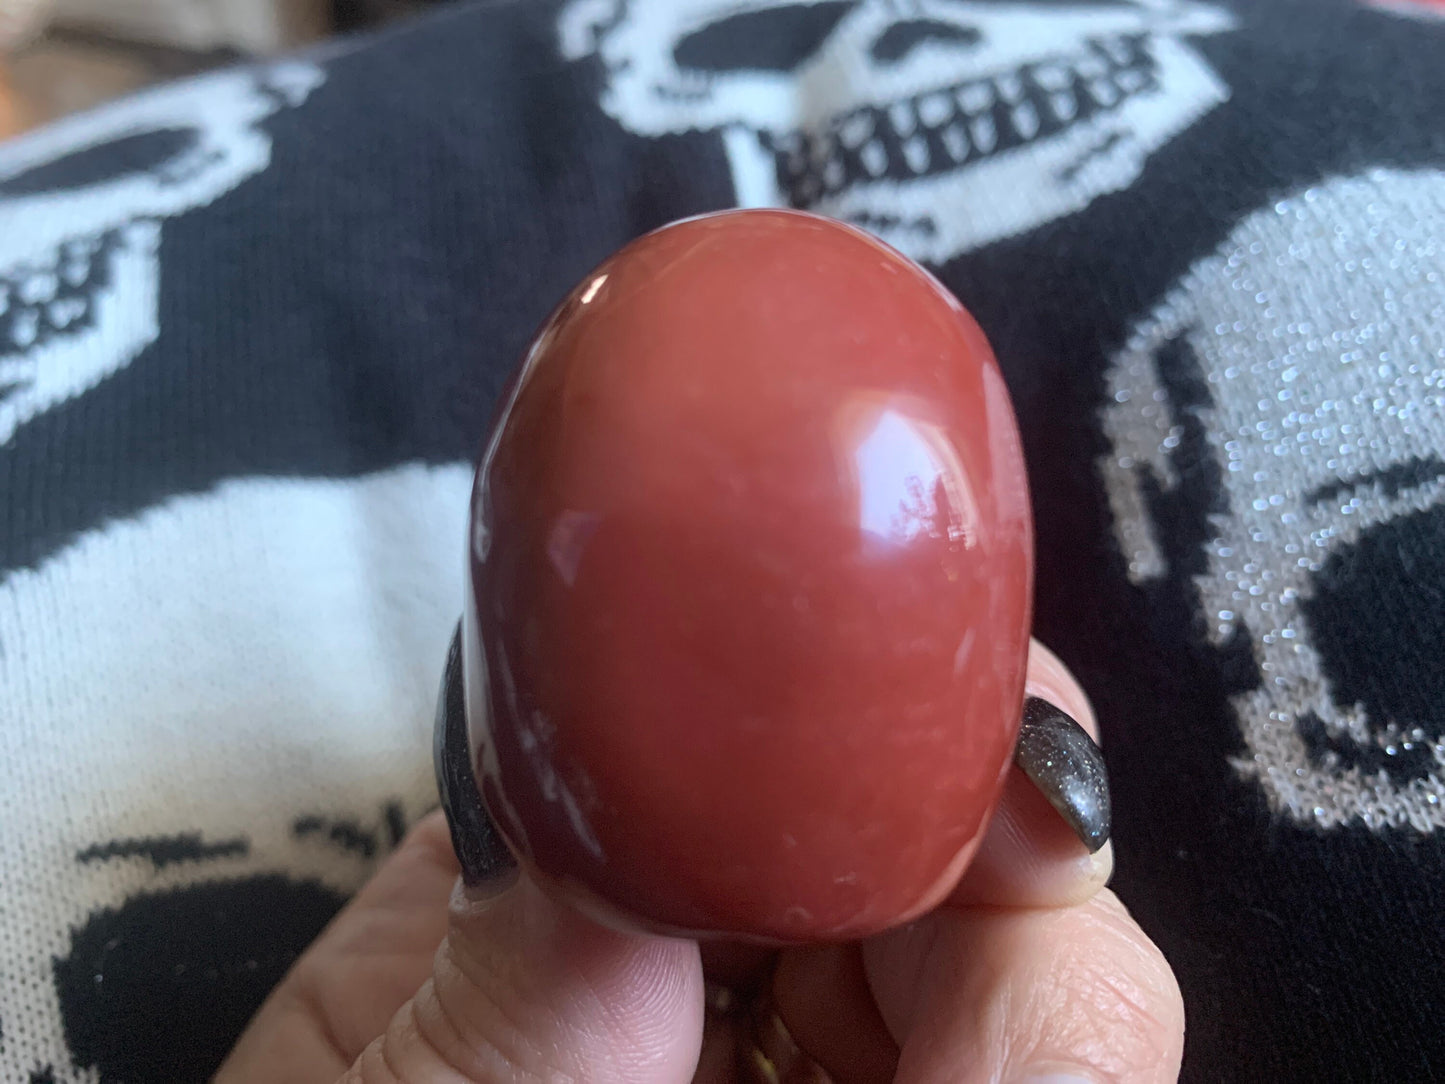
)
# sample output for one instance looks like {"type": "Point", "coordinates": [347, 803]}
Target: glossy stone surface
{"type": "Point", "coordinates": [750, 581]}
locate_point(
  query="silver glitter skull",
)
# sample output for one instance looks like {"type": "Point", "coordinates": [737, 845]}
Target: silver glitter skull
{"type": "Point", "coordinates": [81, 205]}
{"type": "Point", "coordinates": [1302, 365]}
{"type": "Point", "coordinates": [941, 125]}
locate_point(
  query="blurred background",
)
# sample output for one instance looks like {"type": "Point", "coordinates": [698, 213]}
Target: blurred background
{"type": "Point", "coordinates": [61, 56]}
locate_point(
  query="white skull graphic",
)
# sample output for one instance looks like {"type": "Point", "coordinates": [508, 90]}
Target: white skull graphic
{"type": "Point", "coordinates": [940, 125]}
{"type": "Point", "coordinates": [209, 668]}
{"type": "Point", "coordinates": [1302, 365]}
{"type": "Point", "coordinates": [81, 205]}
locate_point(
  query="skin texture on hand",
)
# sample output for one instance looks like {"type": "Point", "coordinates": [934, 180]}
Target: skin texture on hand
{"type": "Point", "coordinates": [1032, 971]}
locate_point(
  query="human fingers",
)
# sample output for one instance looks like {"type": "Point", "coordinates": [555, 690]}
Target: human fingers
{"type": "Point", "coordinates": [1031, 858]}
{"type": "Point", "coordinates": [416, 982]}
{"type": "Point", "coordinates": [525, 988]}
{"type": "Point", "coordinates": [1069, 995]}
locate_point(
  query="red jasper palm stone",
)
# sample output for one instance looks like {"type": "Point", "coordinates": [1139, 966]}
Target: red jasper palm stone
{"type": "Point", "coordinates": [751, 572]}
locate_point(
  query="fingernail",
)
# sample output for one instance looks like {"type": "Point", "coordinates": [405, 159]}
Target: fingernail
{"type": "Point", "coordinates": [1067, 767]}
{"type": "Point", "coordinates": [488, 868]}
{"type": "Point", "coordinates": [472, 896]}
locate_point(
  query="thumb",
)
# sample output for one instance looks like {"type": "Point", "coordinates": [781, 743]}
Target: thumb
{"type": "Point", "coordinates": [525, 988]}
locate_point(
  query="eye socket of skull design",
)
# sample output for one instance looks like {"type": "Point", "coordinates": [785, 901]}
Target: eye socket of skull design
{"type": "Point", "coordinates": [783, 38]}
{"type": "Point", "coordinates": [129, 155]}
{"type": "Point", "coordinates": [938, 124]}
{"type": "Point", "coordinates": [776, 39]}
{"type": "Point", "coordinates": [81, 204]}
{"type": "Point", "coordinates": [1283, 411]}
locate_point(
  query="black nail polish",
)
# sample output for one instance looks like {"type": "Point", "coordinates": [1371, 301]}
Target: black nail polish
{"type": "Point", "coordinates": [483, 854]}
{"type": "Point", "coordinates": [1060, 758]}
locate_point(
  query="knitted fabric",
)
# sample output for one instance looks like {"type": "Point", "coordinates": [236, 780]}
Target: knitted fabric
{"type": "Point", "coordinates": [252, 327]}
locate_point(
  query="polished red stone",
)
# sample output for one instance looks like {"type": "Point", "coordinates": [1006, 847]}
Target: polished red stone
{"type": "Point", "coordinates": [750, 586]}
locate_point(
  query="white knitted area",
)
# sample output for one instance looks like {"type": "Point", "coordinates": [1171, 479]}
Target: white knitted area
{"type": "Point", "coordinates": [216, 665]}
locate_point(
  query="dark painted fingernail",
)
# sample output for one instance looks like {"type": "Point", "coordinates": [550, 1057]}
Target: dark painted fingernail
{"type": "Point", "coordinates": [487, 864]}
{"type": "Point", "coordinates": [1060, 758]}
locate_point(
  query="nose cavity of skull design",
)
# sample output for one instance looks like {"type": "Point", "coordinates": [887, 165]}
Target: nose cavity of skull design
{"type": "Point", "coordinates": [1277, 428]}
{"type": "Point", "coordinates": [81, 207]}
{"type": "Point", "coordinates": [939, 124]}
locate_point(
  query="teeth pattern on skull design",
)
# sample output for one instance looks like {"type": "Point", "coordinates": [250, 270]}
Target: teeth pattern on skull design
{"type": "Point", "coordinates": [81, 206]}
{"type": "Point", "coordinates": [1291, 391]}
{"type": "Point", "coordinates": [940, 125]}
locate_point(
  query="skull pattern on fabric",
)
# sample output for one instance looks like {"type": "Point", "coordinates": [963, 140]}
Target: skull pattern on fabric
{"type": "Point", "coordinates": [940, 125]}
{"type": "Point", "coordinates": [1297, 375]}
{"type": "Point", "coordinates": [79, 263]}
{"type": "Point", "coordinates": [266, 703]}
